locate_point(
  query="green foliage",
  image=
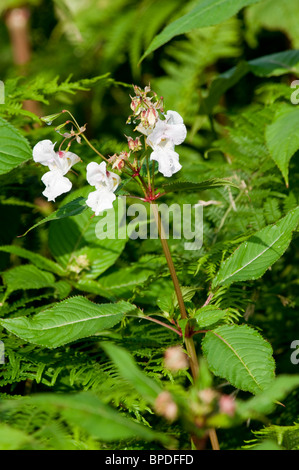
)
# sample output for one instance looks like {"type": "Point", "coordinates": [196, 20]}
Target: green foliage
{"type": "Point", "coordinates": [239, 354]}
{"type": "Point", "coordinates": [67, 321]}
{"type": "Point", "coordinates": [205, 14]}
{"type": "Point", "coordinates": [14, 147]}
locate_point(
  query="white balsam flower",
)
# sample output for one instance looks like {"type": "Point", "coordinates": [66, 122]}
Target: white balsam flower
{"type": "Point", "coordinates": [105, 183]}
{"type": "Point", "coordinates": [165, 135]}
{"type": "Point", "coordinates": [167, 158]}
{"type": "Point", "coordinates": [59, 163]}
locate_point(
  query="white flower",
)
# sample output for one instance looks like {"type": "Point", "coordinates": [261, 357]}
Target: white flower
{"type": "Point", "coordinates": [172, 129]}
{"type": "Point", "coordinates": [105, 183]}
{"type": "Point", "coordinates": [165, 135]}
{"type": "Point", "coordinates": [167, 158]}
{"type": "Point", "coordinates": [56, 184]}
{"type": "Point", "coordinates": [59, 163]}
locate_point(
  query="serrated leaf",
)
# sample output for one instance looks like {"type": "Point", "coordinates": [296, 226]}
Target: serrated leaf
{"type": "Point", "coordinates": [14, 148]}
{"type": "Point", "coordinates": [208, 315]}
{"type": "Point", "coordinates": [70, 209]}
{"type": "Point", "coordinates": [254, 256]}
{"type": "Point", "coordinates": [193, 186]}
{"type": "Point", "coordinates": [27, 277]}
{"type": "Point", "coordinates": [240, 355]}
{"type": "Point", "coordinates": [37, 259]}
{"type": "Point", "coordinates": [67, 321]}
{"type": "Point", "coordinates": [282, 138]}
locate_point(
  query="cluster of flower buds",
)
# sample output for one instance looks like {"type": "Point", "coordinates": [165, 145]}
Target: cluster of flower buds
{"type": "Point", "coordinates": [118, 161]}
{"type": "Point", "coordinates": [134, 144]}
{"type": "Point", "coordinates": [210, 402]}
{"type": "Point", "coordinates": [145, 106]}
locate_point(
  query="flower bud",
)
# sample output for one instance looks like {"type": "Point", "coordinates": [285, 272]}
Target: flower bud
{"type": "Point", "coordinates": [118, 161]}
{"type": "Point", "coordinates": [165, 406]}
{"type": "Point", "coordinates": [207, 395]}
{"type": "Point", "coordinates": [134, 145]}
{"type": "Point", "coordinates": [175, 359]}
{"type": "Point", "coordinates": [151, 116]}
{"type": "Point", "coordinates": [227, 405]}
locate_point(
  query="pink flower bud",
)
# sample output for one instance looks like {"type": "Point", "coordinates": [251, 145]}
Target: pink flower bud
{"type": "Point", "coordinates": [118, 161]}
{"type": "Point", "coordinates": [207, 395]}
{"type": "Point", "coordinates": [165, 406]}
{"type": "Point", "coordinates": [134, 145]}
{"type": "Point", "coordinates": [227, 405]}
{"type": "Point", "coordinates": [151, 116]}
{"type": "Point", "coordinates": [175, 359]}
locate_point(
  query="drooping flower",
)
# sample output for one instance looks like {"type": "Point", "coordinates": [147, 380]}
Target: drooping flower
{"type": "Point", "coordinates": [59, 163]}
{"type": "Point", "coordinates": [165, 136]}
{"type": "Point", "coordinates": [105, 183]}
{"type": "Point", "coordinates": [167, 158]}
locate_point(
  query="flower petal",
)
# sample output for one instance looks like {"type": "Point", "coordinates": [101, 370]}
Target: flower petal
{"type": "Point", "coordinates": [100, 200]}
{"type": "Point", "coordinates": [167, 159]}
{"type": "Point", "coordinates": [172, 129]}
{"type": "Point", "coordinates": [96, 174]}
{"type": "Point", "coordinates": [44, 153]}
{"type": "Point", "coordinates": [56, 184]}
{"type": "Point", "coordinates": [64, 161]}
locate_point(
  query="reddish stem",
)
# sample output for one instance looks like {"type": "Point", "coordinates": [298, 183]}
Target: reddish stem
{"type": "Point", "coordinates": [163, 324]}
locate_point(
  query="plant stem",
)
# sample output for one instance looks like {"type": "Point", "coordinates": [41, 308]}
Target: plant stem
{"type": "Point", "coordinates": [162, 324]}
{"type": "Point", "coordinates": [188, 339]}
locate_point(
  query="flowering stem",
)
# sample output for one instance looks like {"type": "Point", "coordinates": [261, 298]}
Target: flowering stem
{"type": "Point", "coordinates": [85, 138]}
{"type": "Point", "coordinates": [188, 334]}
{"type": "Point", "coordinates": [188, 339]}
{"type": "Point", "coordinates": [94, 149]}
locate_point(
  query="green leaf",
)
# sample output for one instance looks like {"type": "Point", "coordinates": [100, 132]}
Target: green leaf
{"type": "Point", "coordinates": [27, 277]}
{"type": "Point", "coordinates": [37, 259]}
{"type": "Point", "coordinates": [282, 138]}
{"type": "Point", "coordinates": [12, 438]}
{"type": "Point", "coordinates": [14, 148]}
{"type": "Point", "coordinates": [254, 256]}
{"type": "Point", "coordinates": [208, 315]}
{"type": "Point", "coordinates": [221, 84]}
{"type": "Point", "coordinates": [72, 208]}
{"type": "Point", "coordinates": [121, 282]}
{"type": "Point", "coordinates": [76, 240]}
{"type": "Point", "coordinates": [67, 321]}
{"type": "Point", "coordinates": [206, 13]}
{"type": "Point", "coordinates": [184, 186]}
{"type": "Point", "coordinates": [100, 421]}
{"type": "Point", "coordinates": [128, 369]}
{"type": "Point", "coordinates": [266, 401]}
{"type": "Point", "coordinates": [273, 65]}
{"type": "Point", "coordinates": [265, 66]}
{"type": "Point", "coordinates": [240, 355]}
